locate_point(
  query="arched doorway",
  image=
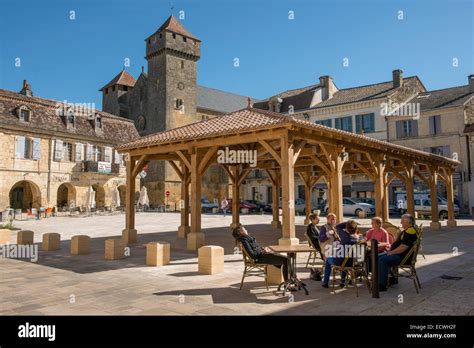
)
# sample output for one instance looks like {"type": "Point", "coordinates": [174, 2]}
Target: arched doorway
{"type": "Point", "coordinates": [122, 192]}
{"type": "Point", "coordinates": [99, 195]}
{"type": "Point", "coordinates": [25, 195]}
{"type": "Point", "coordinates": [66, 196]}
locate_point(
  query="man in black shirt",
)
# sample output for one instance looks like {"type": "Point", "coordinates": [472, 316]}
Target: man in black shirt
{"type": "Point", "coordinates": [399, 249]}
{"type": "Point", "coordinates": [260, 254]}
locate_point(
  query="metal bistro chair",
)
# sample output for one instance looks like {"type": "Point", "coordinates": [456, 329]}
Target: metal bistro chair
{"type": "Point", "coordinates": [252, 268]}
{"type": "Point", "coordinates": [420, 236]}
{"type": "Point", "coordinates": [357, 269]}
{"type": "Point", "coordinates": [313, 255]}
{"type": "Point", "coordinates": [409, 267]}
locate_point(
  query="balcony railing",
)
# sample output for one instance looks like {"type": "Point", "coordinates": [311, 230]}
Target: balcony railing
{"type": "Point", "coordinates": [104, 167]}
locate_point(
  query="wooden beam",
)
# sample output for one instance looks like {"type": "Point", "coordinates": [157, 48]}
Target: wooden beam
{"type": "Point", "coordinates": [229, 173]}
{"type": "Point", "coordinates": [184, 158]}
{"type": "Point", "coordinates": [139, 166]}
{"type": "Point", "coordinates": [204, 163]}
{"type": "Point", "coordinates": [177, 170]}
{"type": "Point", "coordinates": [270, 149]}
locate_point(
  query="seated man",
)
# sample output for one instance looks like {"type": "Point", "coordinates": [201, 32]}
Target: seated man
{"type": "Point", "coordinates": [398, 250]}
{"type": "Point", "coordinates": [348, 234]}
{"type": "Point", "coordinates": [260, 254]}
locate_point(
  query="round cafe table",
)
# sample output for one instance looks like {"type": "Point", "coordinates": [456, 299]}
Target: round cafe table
{"type": "Point", "coordinates": [291, 251]}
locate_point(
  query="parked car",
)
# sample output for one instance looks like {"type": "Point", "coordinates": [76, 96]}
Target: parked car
{"type": "Point", "coordinates": [261, 206]}
{"type": "Point", "coordinates": [207, 206]}
{"type": "Point", "coordinates": [351, 206]}
{"type": "Point", "coordinates": [300, 206]}
{"type": "Point", "coordinates": [423, 207]}
{"type": "Point", "coordinates": [243, 204]}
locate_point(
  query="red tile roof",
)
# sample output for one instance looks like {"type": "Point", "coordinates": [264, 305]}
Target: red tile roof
{"type": "Point", "coordinates": [123, 78]}
{"type": "Point", "coordinates": [251, 119]}
{"type": "Point", "coordinates": [173, 25]}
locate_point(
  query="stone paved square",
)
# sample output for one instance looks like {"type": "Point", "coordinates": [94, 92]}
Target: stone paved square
{"type": "Point", "coordinates": [59, 283]}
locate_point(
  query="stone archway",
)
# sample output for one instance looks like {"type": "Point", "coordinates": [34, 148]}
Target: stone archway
{"type": "Point", "coordinates": [122, 192]}
{"type": "Point", "coordinates": [25, 195]}
{"type": "Point", "coordinates": [66, 194]}
{"type": "Point", "coordinates": [99, 195]}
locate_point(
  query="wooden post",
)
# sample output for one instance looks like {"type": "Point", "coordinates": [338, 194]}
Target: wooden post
{"type": "Point", "coordinates": [386, 204]}
{"type": "Point", "coordinates": [450, 191]}
{"type": "Point", "coordinates": [336, 157]}
{"type": "Point", "coordinates": [235, 196]}
{"type": "Point", "coordinates": [129, 233]}
{"type": "Point", "coordinates": [379, 165]}
{"type": "Point", "coordinates": [307, 198]}
{"type": "Point", "coordinates": [409, 187]}
{"type": "Point", "coordinates": [435, 224]}
{"type": "Point", "coordinates": [184, 228]}
{"type": "Point", "coordinates": [195, 238]}
{"type": "Point", "coordinates": [288, 193]}
{"type": "Point", "coordinates": [275, 200]}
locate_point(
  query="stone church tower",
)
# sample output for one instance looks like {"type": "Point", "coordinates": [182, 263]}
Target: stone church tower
{"type": "Point", "coordinates": [161, 99]}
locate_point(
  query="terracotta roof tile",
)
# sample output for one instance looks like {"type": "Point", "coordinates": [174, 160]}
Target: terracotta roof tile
{"type": "Point", "coordinates": [123, 78]}
{"type": "Point", "coordinates": [251, 119]}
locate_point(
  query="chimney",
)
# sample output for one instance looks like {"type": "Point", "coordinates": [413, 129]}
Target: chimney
{"type": "Point", "coordinates": [397, 76]}
{"type": "Point", "coordinates": [26, 90]}
{"type": "Point", "coordinates": [470, 79]}
{"type": "Point", "coordinates": [327, 87]}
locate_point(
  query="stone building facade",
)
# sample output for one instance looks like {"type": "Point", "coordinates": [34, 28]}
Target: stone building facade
{"type": "Point", "coordinates": [167, 96]}
{"type": "Point", "coordinates": [54, 151]}
{"type": "Point", "coordinates": [444, 116]}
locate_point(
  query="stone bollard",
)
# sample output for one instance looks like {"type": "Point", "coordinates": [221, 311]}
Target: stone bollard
{"type": "Point", "coordinates": [80, 245]}
{"type": "Point", "coordinates": [24, 237]}
{"type": "Point", "coordinates": [157, 253]}
{"type": "Point", "coordinates": [5, 236]}
{"type": "Point", "coordinates": [211, 259]}
{"type": "Point", "coordinates": [114, 249]}
{"type": "Point", "coordinates": [51, 241]}
{"type": "Point", "coordinates": [274, 275]}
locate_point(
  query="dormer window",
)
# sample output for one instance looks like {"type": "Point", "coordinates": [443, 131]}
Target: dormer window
{"type": "Point", "coordinates": [24, 113]}
{"type": "Point", "coordinates": [98, 122]}
{"type": "Point", "coordinates": [70, 118]}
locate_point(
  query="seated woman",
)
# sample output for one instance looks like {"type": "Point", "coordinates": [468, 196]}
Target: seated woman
{"type": "Point", "coordinates": [260, 254]}
{"type": "Point", "coordinates": [378, 233]}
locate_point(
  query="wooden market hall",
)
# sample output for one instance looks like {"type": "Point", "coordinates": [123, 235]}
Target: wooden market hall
{"type": "Point", "coordinates": [285, 146]}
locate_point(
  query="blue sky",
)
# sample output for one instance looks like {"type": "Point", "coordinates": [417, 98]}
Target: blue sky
{"type": "Point", "coordinates": [72, 59]}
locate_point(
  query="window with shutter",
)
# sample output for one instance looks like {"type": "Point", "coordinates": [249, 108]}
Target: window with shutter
{"type": "Point", "coordinates": [108, 154]}
{"type": "Point", "coordinates": [117, 157]}
{"type": "Point", "coordinates": [58, 150]}
{"type": "Point", "coordinates": [414, 127]}
{"type": "Point", "coordinates": [78, 152]}
{"type": "Point", "coordinates": [358, 124]}
{"type": "Point", "coordinates": [20, 147]}
{"type": "Point", "coordinates": [28, 146]}
{"type": "Point", "coordinates": [398, 125]}
{"type": "Point", "coordinates": [89, 152]}
{"type": "Point", "coordinates": [36, 148]}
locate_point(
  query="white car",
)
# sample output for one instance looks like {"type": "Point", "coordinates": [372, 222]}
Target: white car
{"type": "Point", "coordinates": [423, 207]}
{"type": "Point", "coordinates": [351, 206]}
